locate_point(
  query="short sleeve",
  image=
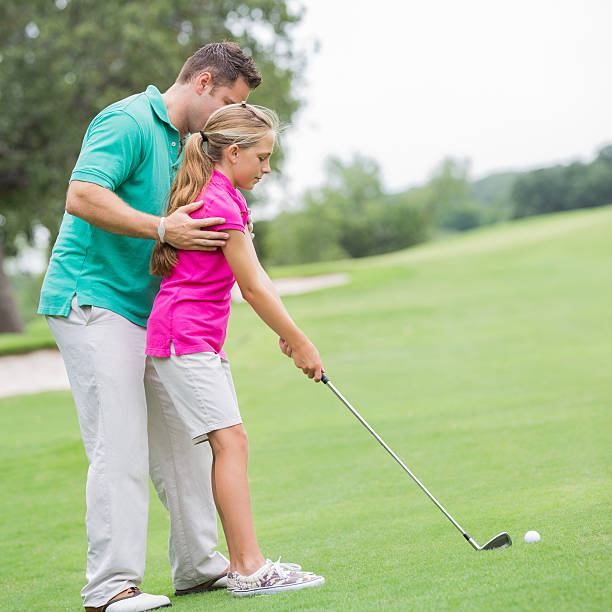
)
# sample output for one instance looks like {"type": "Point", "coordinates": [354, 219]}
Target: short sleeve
{"type": "Point", "coordinates": [111, 151]}
{"type": "Point", "coordinates": [220, 205]}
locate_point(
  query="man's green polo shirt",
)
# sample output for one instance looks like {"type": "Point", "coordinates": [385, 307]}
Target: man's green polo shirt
{"type": "Point", "coordinates": [132, 149]}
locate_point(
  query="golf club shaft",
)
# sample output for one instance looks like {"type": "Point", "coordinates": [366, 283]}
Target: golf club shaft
{"type": "Point", "coordinates": [341, 397]}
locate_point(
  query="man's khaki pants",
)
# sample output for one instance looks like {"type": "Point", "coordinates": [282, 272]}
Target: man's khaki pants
{"type": "Point", "coordinates": [130, 428]}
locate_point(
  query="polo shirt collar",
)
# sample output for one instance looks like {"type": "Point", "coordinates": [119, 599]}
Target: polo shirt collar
{"type": "Point", "coordinates": [157, 104]}
{"type": "Point", "coordinates": [222, 180]}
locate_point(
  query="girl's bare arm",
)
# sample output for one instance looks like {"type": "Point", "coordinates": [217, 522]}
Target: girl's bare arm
{"type": "Point", "coordinates": [259, 292]}
{"type": "Point", "coordinates": [282, 343]}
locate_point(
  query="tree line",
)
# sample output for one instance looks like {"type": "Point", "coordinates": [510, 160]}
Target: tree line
{"type": "Point", "coordinates": [577, 185]}
{"type": "Point", "coordinates": [352, 215]}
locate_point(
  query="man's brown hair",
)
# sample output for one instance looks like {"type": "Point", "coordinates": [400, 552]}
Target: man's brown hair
{"type": "Point", "coordinates": [225, 61]}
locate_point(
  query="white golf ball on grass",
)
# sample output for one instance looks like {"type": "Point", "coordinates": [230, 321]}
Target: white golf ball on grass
{"type": "Point", "coordinates": [532, 536]}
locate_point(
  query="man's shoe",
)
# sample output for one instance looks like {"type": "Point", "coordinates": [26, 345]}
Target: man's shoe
{"type": "Point", "coordinates": [218, 582]}
{"type": "Point", "coordinates": [133, 600]}
{"type": "Point", "coordinates": [271, 578]}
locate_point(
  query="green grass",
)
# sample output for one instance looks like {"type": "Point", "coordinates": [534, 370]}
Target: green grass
{"type": "Point", "coordinates": [484, 361]}
{"type": "Point", "coordinates": [36, 336]}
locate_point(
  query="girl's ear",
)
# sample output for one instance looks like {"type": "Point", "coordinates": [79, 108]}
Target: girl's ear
{"type": "Point", "coordinates": [232, 153]}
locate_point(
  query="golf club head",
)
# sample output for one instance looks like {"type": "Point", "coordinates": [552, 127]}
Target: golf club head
{"type": "Point", "coordinates": [501, 540]}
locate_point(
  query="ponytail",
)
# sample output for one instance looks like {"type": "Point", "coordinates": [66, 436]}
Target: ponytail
{"type": "Point", "coordinates": [235, 124]}
{"type": "Point", "coordinates": [193, 175]}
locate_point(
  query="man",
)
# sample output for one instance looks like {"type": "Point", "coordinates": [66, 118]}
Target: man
{"type": "Point", "coordinates": [97, 295]}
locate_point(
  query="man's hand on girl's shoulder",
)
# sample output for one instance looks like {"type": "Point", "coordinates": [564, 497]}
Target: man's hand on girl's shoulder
{"type": "Point", "coordinates": [184, 232]}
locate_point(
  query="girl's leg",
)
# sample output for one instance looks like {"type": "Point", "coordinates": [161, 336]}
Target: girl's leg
{"type": "Point", "coordinates": [217, 506]}
{"type": "Point", "coordinates": [231, 493]}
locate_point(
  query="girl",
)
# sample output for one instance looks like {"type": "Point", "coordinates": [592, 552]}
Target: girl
{"type": "Point", "coordinates": [188, 324]}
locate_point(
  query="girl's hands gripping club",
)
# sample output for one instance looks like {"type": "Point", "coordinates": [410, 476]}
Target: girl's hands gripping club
{"type": "Point", "coordinates": [305, 356]}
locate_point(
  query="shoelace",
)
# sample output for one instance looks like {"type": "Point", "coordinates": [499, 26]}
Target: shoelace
{"type": "Point", "coordinates": [281, 568]}
{"type": "Point", "coordinates": [133, 590]}
{"type": "Point", "coordinates": [128, 593]}
{"type": "Point", "coordinates": [290, 567]}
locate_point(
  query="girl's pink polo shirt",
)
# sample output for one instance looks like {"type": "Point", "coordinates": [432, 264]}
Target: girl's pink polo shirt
{"type": "Point", "coordinates": [192, 307]}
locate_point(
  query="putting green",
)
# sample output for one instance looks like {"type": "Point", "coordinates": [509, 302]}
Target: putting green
{"type": "Point", "coordinates": [483, 361]}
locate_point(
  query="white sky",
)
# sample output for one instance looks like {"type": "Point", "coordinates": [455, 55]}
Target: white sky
{"type": "Point", "coordinates": [509, 85]}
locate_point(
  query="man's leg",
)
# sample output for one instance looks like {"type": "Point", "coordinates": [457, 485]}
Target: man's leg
{"type": "Point", "coordinates": [181, 472]}
{"type": "Point", "coordinates": [104, 357]}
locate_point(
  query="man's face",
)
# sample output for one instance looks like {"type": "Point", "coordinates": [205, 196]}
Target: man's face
{"type": "Point", "coordinates": [208, 99]}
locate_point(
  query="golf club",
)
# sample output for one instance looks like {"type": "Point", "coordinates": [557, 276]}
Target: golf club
{"type": "Point", "coordinates": [501, 540]}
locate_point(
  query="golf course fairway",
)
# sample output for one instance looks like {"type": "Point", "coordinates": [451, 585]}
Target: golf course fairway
{"type": "Point", "coordinates": [484, 360]}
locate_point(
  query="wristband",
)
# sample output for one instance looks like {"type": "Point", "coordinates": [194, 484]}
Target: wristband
{"type": "Point", "coordinates": [161, 230]}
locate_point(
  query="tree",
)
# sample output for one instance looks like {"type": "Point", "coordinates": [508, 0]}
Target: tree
{"type": "Point", "coordinates": [452, 205]}
{"type": "Point", "coordinates": [542, 191]}
{"type": "Point", "coordinates": [493, 195]}
{"type": "Point", "coordinates": [577, 185]}
{"type": "Point", "coordinates": [61, 62]}
{"type": "Point", "coordinates": [350, 216]}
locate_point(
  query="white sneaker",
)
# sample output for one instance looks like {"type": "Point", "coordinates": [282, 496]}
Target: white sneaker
{"type": "Point", "coordinates": [271, 578]}
{"type": "Point", "coordinates": [137, 601]}
{"type": "Point", "coordinates": [290, 567]}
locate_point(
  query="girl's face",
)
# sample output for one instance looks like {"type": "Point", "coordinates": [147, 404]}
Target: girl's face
{"type": "Point", "coordinates": [249, 165]}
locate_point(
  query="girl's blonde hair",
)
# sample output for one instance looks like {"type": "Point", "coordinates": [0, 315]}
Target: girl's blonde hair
{"type": "Point", "coordinates": [235, 124]}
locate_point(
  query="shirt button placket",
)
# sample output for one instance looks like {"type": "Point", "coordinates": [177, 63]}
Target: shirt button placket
{"type": "Point", "coordinates": [173, 156]}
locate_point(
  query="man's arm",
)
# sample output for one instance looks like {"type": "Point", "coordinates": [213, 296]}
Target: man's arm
{"type": "Point", "coordinates": [106, 210]}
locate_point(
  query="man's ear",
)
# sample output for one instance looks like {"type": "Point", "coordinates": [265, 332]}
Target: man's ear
{"type": "Point", "coordinates": [202, 82]}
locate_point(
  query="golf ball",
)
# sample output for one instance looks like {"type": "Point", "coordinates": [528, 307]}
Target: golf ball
{"type": "Point", "coordinates": [532, 536]}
